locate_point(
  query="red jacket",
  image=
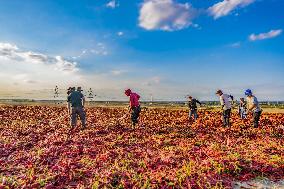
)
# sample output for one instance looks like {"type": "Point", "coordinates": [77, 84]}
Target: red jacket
{"type": "Point", "coordinates": [134, 100]}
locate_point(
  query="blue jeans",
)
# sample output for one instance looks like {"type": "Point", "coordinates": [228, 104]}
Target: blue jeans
{"type": "Point", "coordinates": [194, 113]}
{"type": "Point", "coordinates": [243, 113]}
{"type": "Point", "coordinates": [82, 114]}
{"type": "Point", "coordinates": [226, 117]}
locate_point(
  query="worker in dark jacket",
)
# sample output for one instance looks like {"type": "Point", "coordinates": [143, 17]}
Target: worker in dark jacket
{"type": "Point", "coordinates": [76, 102]}
{"type": "Point", "coordinates": [192, 104]}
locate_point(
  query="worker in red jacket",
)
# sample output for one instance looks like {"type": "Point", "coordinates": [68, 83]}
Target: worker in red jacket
{"type": "Point", "coordinates": [134, 106]}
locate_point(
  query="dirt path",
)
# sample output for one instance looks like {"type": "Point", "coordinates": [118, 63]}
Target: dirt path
{"type": "Point", "coordinates": [259, 184]}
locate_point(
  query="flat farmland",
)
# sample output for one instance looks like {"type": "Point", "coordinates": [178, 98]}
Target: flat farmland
{"type": "Point", "coordinates": [166, 150]}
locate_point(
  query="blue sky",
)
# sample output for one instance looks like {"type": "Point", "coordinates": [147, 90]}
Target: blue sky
{"type": "Point", "coordinates": [168, 48]}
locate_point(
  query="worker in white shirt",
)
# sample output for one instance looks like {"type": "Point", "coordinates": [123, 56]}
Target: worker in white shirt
{"type": "Point", "coordinates": [226, 107]}
{"type": "Point", "coordinates": [253, 106]}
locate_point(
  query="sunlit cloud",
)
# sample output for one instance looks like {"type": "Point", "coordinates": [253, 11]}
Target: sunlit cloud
{"type": "Point", "coordinates": [13, 54]}
{"type": "Point", "coordinates": [225, 7]}
{"type": "Point", "coordinates": [262, 36]}
{"type": "Point", "coordinates": [99, 49]}
{"type": "Point", "coordinates": [28, 74]}
{"type": "Point", "coordinates": [166, 15]}
{"type": "Point", "coordinates": [27, 69]}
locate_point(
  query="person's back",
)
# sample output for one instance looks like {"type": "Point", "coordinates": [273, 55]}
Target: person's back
{"type": "Point", "coordinates": [134, 100]}
{"type": "Point", "coordinates": [75, 98]}
{"type": "Point", "coordinates": [225, 101]}
{"type": "Point", "coordinates": [193, 104]}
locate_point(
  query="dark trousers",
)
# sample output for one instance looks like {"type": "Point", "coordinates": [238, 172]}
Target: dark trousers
{"type": "Point", "coordinates": [256, 117]}
{"type": "Point", "coordinates": [226, 117]}
{"type": "Point", "coordinates": [135, 114]}
{"type": "Point", "coordinates": [82, 114]}
{"type": "Point", "coordinates": [194, 113]}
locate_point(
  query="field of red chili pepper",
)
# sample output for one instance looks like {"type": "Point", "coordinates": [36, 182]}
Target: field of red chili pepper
{"type": "Point", "coordinates": [165, 151]}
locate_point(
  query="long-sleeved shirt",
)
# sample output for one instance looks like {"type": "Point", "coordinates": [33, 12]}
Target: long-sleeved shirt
{"type": "Point", "coordinates": [253, 101]}
{"type": "Point", "coordinates": [134, 100]}
{"type": "Point", "coordinates": [76, 99]}
{"type": "Point", "coordinates": [225, 102]}
{"type": "Point", "coordinates": [192, 104]}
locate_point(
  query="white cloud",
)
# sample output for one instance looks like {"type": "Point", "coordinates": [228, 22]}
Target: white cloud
{"type": "Point", "coordinates": [165, 15]}
{"type": "Point", "coordinates": [99, 49]}
{"type": "Point", "coordinates": [262, 36]}
{"type": "Point", "coordinates": [224, 7]}
{"type": "Point", "coordinates": [80, 55]}
{"type": "Point", "coordinates": [32, 70]}
{"type": "Point", "coordinates": [27, 74]}
{"type": "Point", "coordinates": [64, 66]}
{"type": "Point", "coordinates": [14, 54]}
{"type": "Point", "coordinates": [112, 4]}
{"type": "Point", "coordinates": [7, 47]}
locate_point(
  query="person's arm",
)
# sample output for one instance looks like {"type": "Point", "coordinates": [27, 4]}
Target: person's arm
{"type": "Point", "coordinates": [222, 102]}
{"type": "Point", "coordinates": [68, 104]}
{"type": "Point", "coordinates": [83, 101]}
{"type": "Point", "coordinates": [252, 107]}
{"type": "Point", "coordinates": [131, 102]}
{"type": "Point", "coordinates": [68, 107]}
{"type": "Point", "coordinates": [198, 102]}
{"type": "Point", "coordinates": [129, 108]}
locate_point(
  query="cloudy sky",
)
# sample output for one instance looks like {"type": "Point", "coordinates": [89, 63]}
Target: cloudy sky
{"type": "Point", "coordinates": [168, 48]}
